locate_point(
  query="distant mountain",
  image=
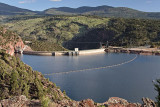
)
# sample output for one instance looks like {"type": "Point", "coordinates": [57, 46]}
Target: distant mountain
{"type": "Point", "coordinates": [6, 9]}
{"type": "Point", "coordinates": [106, 11]}
{"type": "Point", "coordinates": [80, 10]}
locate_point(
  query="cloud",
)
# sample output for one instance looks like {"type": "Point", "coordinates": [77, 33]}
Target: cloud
{"type": "Point", "coordinates": [55, 0]}
{"type": "Point", "coordinates": [26, 1]}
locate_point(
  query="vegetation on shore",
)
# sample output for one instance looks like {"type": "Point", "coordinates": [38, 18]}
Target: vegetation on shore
{"type": "Point", "coordinates": [17, 78]}
{"type": "Point", "coordinates": [7, 36]}
{"type": "Point", "coordinates": [45, 46]}
{"type": "Point", "coordinates": [122, 32]}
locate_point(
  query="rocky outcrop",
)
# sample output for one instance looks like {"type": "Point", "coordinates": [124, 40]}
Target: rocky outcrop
{"type": "Point", "coordinates": [27, 48]}
{"type": "Point", "coordinates": [10, 41]}
{"type": "Point", "coordinates": [119, 102]}
{"type": "Point", "coordinates": [14, 46]}
{"type": "Point", "coordinates": [22, 101]}
{"type": "Point", "coordinates": [14, 102]}
{"type": "Point", "coordinates": [19, 101]}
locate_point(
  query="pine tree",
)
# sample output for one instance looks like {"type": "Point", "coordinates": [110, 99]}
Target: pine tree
{"type": "Point", "coordinates": [14, 82]}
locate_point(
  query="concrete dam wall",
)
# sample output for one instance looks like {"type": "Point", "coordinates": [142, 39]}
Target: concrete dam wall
{"type": "Point", "coordinates": [69, 53]}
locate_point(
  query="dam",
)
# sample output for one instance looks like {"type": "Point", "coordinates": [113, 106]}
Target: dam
{"type": "Point", "coordinates": [69, 53]}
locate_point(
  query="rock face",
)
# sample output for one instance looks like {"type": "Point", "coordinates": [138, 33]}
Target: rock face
{"type": "Point", "coordinates": [10, 41]}
{"type": "Point", "coordinates": [27, 48]}
{"type": "Point", "coordinates": [22, 101]}
{"type": "Point", "coordinates": [13, 47]}
{"type": "Point", "coordinates": [14, 102]}
{"type": "Point", "coordinates": [19, 101]}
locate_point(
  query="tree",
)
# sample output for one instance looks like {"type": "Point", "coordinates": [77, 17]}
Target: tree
{"type": "Point", "coordinates": [157, 88]}
{"type": "Point", "coordinates": [25, 90]}
{"type": "Point", "coordinates": [14, 82]}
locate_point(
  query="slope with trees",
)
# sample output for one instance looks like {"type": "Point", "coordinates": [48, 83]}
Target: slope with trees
{"type": "Point", "coordinates": [54, 30]}
{"type": "Point", "coordinates": [122, 32]}
{"type": "Point", "coordinates": [17, 78]}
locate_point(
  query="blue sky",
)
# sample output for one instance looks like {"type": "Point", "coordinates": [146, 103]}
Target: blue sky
{"type": "Point", "coordinates": [143, 5]}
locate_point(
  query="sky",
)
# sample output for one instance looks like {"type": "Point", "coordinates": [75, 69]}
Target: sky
{"type": "Point", "coordinates": [40, 5]}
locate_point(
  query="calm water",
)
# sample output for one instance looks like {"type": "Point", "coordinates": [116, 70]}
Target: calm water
{"type": "Point", "coordinates": [130, 81]}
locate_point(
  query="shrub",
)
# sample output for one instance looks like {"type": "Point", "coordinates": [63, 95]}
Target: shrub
{"type": "Point", "coordinates": [45, 101]}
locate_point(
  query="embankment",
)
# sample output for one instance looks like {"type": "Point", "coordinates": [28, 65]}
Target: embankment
{"type": "Point", "coordinates": [140, 51]}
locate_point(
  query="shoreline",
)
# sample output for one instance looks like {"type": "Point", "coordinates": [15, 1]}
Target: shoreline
{"type": "Point", "coordinates": [139, 51]}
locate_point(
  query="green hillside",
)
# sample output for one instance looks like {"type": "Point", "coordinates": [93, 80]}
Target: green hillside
{"type": "Point", "coordinates": [66, 31]}
{"type": "Point", "coordinates": [54, 29]}
{"type": "Point", "coordinates": [104, 11]}
{"type": "Point", "coordinates": [121, 32]}
{"type": "Point", "coordinates": [17, 78]}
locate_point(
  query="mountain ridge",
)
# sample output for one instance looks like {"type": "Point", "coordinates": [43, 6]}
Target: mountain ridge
{"type": "Point", "coordinates": [104, 11]}
{"type": "Point", "coordinates": [6, 9]}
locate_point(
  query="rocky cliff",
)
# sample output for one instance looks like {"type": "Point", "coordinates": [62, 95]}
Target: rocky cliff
{"type": "Point", "coordinates": [10, 41]}
{"type": "Point", "coordinates": [22, 101]}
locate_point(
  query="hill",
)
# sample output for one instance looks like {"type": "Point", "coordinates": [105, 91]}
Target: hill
{"type": "Point", "coordinates": [54, 30]}
{"type": "Point", "coordinates": [67, 31]}
{"type": "Point", "coordinates": [104, 11]}
{"type": "Point", "coordinates": [120, 32]}
{"type": "Point", "coordinates": [6, 9]}
{"type": "Point", "coordinates": [17, 78]}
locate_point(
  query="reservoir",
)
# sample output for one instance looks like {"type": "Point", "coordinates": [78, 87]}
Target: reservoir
{"type": "Point", "coordinates": [131, 81]}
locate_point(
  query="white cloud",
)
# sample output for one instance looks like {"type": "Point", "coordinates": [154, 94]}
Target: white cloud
{"type": "Point", "coordinates": [55, 0]}
{"type": "Point", "coordinates": [26, 1]}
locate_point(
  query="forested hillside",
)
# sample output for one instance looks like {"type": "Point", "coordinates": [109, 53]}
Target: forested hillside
{"type": "Point", "coordinates": [17, 78]}
{"type": "Point", "coordinates": [67, 31]}
{"type": "Point", "coordinates": [104, 11]}
{"type": "Point", "coordinates": [121, 32]}
{"type": "Point", "coordinates": [54, 30]}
